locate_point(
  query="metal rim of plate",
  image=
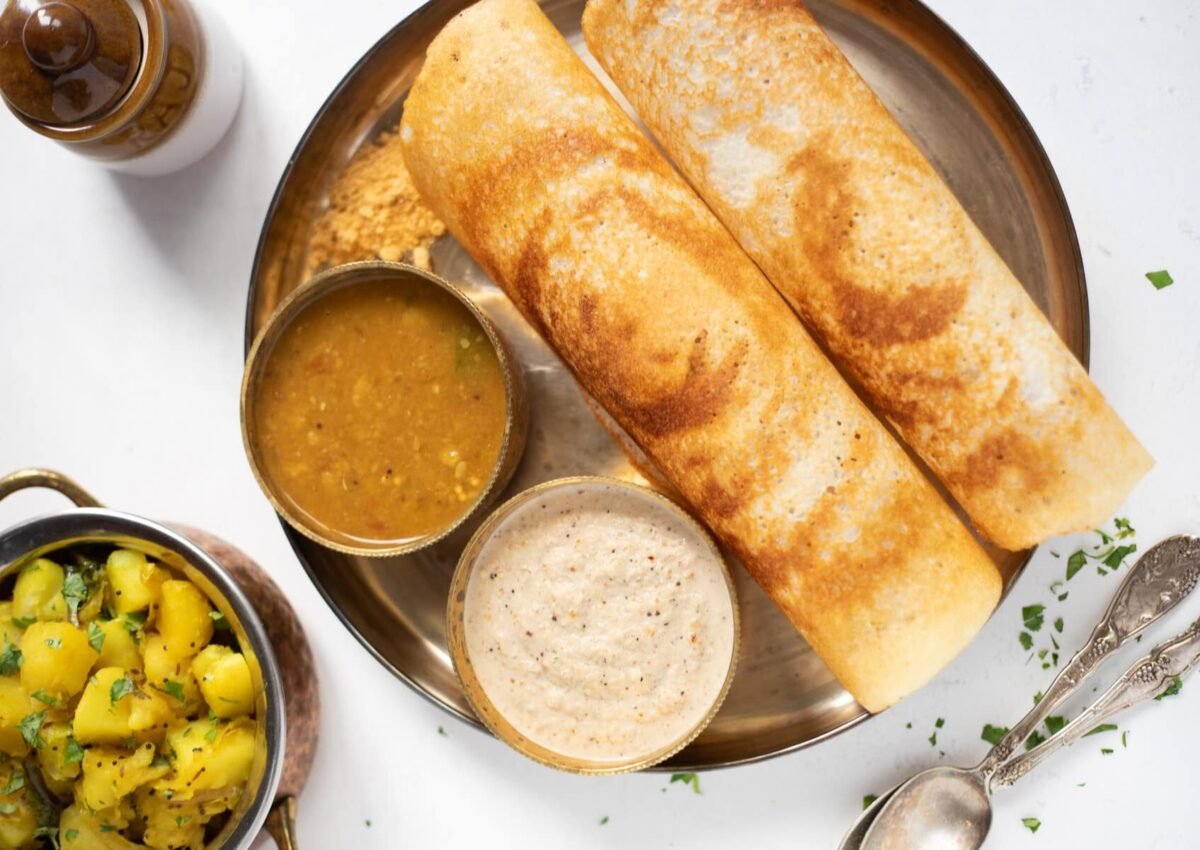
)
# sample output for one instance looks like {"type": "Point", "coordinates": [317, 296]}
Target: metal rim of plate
{"type": "Point", "coordinates": [959, 114]}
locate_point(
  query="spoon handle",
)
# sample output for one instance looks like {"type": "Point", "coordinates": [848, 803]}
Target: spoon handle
{"type": "Point", "coordinates": [1152, 587]}
{"type": "Point", "coordinates": [1148, 677]}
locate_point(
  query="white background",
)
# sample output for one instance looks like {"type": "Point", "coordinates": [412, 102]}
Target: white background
{"type": "Point", "coordinates": [121, 308]}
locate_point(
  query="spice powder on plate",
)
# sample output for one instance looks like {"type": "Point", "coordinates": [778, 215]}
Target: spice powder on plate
{"type": "Point", "coordinates": [374, 213]}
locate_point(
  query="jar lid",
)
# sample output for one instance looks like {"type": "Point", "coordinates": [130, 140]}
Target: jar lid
{"type": "Point", "coordinates": [65, 62]}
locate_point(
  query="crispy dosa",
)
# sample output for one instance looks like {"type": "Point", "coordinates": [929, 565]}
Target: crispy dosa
{"type": "Point", "coordinates": [669, 325]}
{"type": "Point", "coordinates": [823, 189]}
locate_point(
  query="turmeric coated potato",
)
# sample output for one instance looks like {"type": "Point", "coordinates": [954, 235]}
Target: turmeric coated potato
{"type": "Point", "coordinates": [184, 619]}
{"type": "Point", "coordinates": [110, 683]}
{"type": "Point", "coordinates": [225, 681]}
{"type": "Point", "coordinates": [56, 659]}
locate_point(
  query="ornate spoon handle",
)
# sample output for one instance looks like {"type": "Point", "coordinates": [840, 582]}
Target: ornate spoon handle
{"type": "Point", "coordinates": [1153, 586]}
{"type": "Point", "coordinates": [1147, 678]}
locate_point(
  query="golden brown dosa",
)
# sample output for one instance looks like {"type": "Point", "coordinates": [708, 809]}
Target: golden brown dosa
{"type": "Point", "coordinates": [797, 156]}
{"type": "Point", "coordinates": [666, 322]}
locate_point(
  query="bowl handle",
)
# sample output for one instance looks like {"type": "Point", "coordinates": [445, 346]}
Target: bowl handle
{"type": "Point", "coordinates": [25, 478]}
{"type": "Point", "coordinates": [281, 823]}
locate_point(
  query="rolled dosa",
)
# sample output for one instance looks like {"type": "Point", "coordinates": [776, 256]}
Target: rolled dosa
{"type": "Point", "coordinates": [669, 325]}
{"type": "Point", "coordinates": [779, 134]}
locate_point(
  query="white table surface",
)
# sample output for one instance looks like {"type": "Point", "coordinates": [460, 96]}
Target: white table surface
{"type": "Point", "coordinates": [121, 308]}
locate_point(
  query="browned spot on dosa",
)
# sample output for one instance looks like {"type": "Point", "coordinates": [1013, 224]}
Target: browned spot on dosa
{"type": "Point", "coordinates": [825, 222]}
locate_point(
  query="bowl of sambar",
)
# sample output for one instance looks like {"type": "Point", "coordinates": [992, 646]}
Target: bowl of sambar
{"type": "Point", "coordinates": [381, 409]}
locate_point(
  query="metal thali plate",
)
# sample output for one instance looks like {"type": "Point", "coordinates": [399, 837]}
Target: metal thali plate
{"type": "Point", "coordinates": [783, 697]}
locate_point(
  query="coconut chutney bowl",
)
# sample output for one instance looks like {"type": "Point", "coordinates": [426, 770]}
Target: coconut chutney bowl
{"type": "Point", "coordinates": [593, 625]}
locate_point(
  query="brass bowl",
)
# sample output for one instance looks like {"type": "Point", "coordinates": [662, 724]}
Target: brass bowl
{"type": "Point", "coordinates": [483, 707]}
{"type": "Point", "coordinates": [337, 278]}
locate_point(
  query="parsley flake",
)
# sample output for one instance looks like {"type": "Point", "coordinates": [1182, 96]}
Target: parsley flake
{"type": "Point", "coordinates": [1026, 641]}
{"type": "Point", "coordinates": [692, 779]}
{"type": "Point", "coordinates": [95, 635]}
{"type": "Point", "coordinates": [120, 689]}
{"type": "Point", "coordinates": [1160, 279]}
{"type": "Point", "coordinates": [74, 753]}
{"type": "Point", "coordinates": [75, 592]}
{"type": "Point", "coordinates": [1118, 555]}
{"type": "Point", "coordinates": [31, 728]}
{"type": "Point", "coordinates": [933, 740]}
{"type": "Point", "coordinates": [1075, 563]}
{"type": "Point", "coordinates": [1055, 723]}
{"type": "Point", "coordinates": [993, 734]}
{"type": "Point", "coordinates": [173, 688]}
{"type": "Point", "coordinates": [1032, 824]}
{"type": "Point", "coordinates": [1035, 738]}
{"type": "Point", "coordinates": [10, 660]}
{"type": "Point", "coordinates": [1058, 625]}
{"type": "Point", "coordinates": [1172, 689]}
{"type": "Point", "coordinates": [48, 699]}
{"type": "Point", "coordinates": [1033, 615]}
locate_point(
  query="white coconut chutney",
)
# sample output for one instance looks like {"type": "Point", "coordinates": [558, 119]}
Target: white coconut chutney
{"type": "Point", "coordinates": [599, 623]}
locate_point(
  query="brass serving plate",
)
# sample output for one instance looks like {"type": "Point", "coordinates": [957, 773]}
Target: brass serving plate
{"type": "Point", "coordinates": [783, 697]}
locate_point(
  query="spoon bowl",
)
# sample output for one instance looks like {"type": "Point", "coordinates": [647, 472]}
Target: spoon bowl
{"type": "Point", "coordinates": [943, 808]}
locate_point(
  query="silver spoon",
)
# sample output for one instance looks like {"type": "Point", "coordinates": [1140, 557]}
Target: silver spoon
{"type": "Point", "coordinates": [1163, 576]}
{"type": "Point", "coordinates": [950, 809]}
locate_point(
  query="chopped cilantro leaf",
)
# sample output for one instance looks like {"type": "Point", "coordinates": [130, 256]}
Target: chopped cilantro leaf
{"type": "Point", "coordinates": [1058, 625]}
{"type": "Point", "coordinates": [75, 592]}
{"type": "Point", "coordinates": [1075, 563]}
{"type": "Point", "coordinates": [1160, 279]}
{"type": "Point", "coordinates": [1037, 697]}
{"type": "Point", "coordinates": [1106, 751]}
{"type": "Point", "coordinates": [687, 779]}
{"type": "Point", "coordinates": [1172, 689]}
{"type": "Point", "coordinates": [1032, 824]}
{"type": "Point", "coordinates": [10, 660]}
{"type": "Point", "coordinates": [71, 834]}
{"type": "Point", "coordinates": [442, 732]}
{"type": "Point", "coordinates": [1026, 640]}
{"type": "Point", "coordinates": [1035, 738]}
{"type": "Point", "coordinates": [8, 808]}
{"type": "Point", "coordinates": [16, 783]}
{"type": "Point", "coordinates": [1055, 723]}
{"type": "Point", "coordinates": [868, 800]}
{"type": "Point", "coordinates": [54, 643]}
{"type": "Point", "coordinates": [120, 689]}
{"type": "Point", "coordinates": [31, 728]}
{"type": "Point", "coordinates": [173, 688]}
{"type": "Point", "coordinates": [1033, 617]}
{"type": "Point", "coordinates": [933, 740]}
{"type": "Point", "coordinates": [1103, 727]}
{"type": "Point", "coordinates": [993, 734]}
{"type": "Point", "coordinates": [48, 699]}
{"type": "Point", "coordinates": [940, 722]}
{"type": "Point", "coordinates": [219, 621]}
{"type": "Point", "coordinates": [1119, 554]}
{"type": "Point", "coordinates": [23, 622]}
{"type": "Point", "coordinates": [604, 820]}
{"type": "Point", "coordinates": [95, 635]}
{"type": "Point", "coordinates": [1124, 529]}
{"type": "Point", "coordinates": [1104, 538]}
{"type": "Point", "coordinates": [1125, 739]}
{"type": "Point", "coordinates": [74, 753]}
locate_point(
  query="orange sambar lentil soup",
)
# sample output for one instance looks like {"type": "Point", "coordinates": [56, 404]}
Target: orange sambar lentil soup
{"type": "Point", "coordinates": [381, 411]}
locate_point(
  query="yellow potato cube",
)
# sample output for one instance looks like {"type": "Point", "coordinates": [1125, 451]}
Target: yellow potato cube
{"type": "Point", "coordinates": [10, 632]}
{"type": "Point", "coordinates": [15, 706]}
{"type": "Point", "coordinates": [170, 675]}
{"type": "Point", "coordinates": [38, 592]}
{"type": "Point", "coordinates": [173, 823]}
{"type": "Point", "coordinates": [209, 756]}
{"type": "Point", "coordinates": [225, 681]}
{"type": "Point", "coordinates": [57, 659]}
{"type": "Point", "coordinates": [117, 646]}
{"type": "Point", "coordinates": [152, 713]}
{"type": "Point", "coordinates": [109, 773]}
{"type": "Point", "coordinates": [52, 754]}
{"type": "Point", "coordinates": [184, 618]}
{"type": "Point", "coordinates": [82, 830]}
{"type": "Point", "coordinates": [133, 582]}
{"type": "Point", "coordinates": [17, 827]}
{"type": "Point", "coordinates": [99, 719]}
